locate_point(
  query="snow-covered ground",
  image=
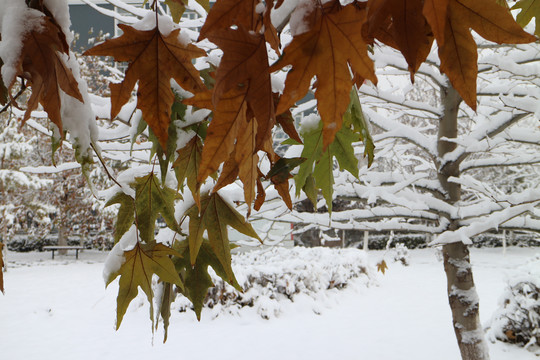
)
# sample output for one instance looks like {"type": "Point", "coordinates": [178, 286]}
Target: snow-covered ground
{"type": "Point", "coordinates": [59, 309]}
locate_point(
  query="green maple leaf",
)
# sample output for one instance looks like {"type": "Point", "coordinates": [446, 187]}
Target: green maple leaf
{"type": "Point", "coordinates": [177, 8]}
{"type": "Point", "coordinates": [354, 117]}
{"type": "Point", "coordinates": [143, 261]}
{"type": "Point", "coordinates": [529, 9]}
{"type": "Point", "coordinates": [186, 166]}
{"type": "Point", "coordinates": [178, 110]}
{"type": "Point", "coordinates": [197, 281]}
{"type": "Point", "coordinates": [164, 310]}
{"type": "Point", "coordinates": [310, 190]}
{"type": "Point", "coordinates": [281, 171]}
{"type": "Point", "coordinates": [320, 164]}
{"type": "Point", "coordinates": [151, 200]}
{"type": "Point", "coordinates": [126, 213]}
{"type": "Point", "coordinates": [214, 216]}
{"type": "Point", "coordinates": [141, 126]}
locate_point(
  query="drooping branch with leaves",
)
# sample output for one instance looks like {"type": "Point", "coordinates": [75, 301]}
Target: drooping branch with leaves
{"type": "Point", "coordinates": [204, 108]}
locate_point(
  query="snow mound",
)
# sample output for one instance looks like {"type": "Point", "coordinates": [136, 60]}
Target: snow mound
{"type": "Point", "coordinates": [274, 278]}
{"type": "Point", "coordinates": [518, 318]}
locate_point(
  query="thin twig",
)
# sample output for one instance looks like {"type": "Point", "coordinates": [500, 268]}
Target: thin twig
{"type": "Point", "coordinates": [104, 166]}
{"type": "Point", "coordinates": [10, 102]}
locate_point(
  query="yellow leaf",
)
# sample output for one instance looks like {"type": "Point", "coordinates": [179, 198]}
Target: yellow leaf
{"type": "Point", "coordinates": [382, 266]}
{"type": "Point", "coordinates": [143, 261]}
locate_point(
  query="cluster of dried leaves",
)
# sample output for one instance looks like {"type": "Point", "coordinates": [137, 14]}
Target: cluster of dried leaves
{"type": "Point", "coordinates": [334, 50]}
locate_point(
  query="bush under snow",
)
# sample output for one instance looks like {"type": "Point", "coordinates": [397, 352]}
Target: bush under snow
{"type": "Point", "coordinates": [274, 277]}
{"type": "Point", "coordinates": [518, 319]}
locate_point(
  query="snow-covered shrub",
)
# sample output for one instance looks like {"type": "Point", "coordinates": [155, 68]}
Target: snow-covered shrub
{"type": "Point", "coordinates": [276, 276]}
{"type": "Point", "coordinates": [518, 318]}
{"type": "Point", "coordinates": [401, 254]}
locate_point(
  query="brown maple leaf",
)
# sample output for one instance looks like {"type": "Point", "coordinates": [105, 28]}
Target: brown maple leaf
{"type": "Point", "coordinates": [42, 65]}
{"type": "Point", "coordinates": [401, 24]}
{"type": "Point", "coordinates": [333, 43]}
{"type": "Point", "coordinates": [245, 63]}
{"type": "Point", "coordinates": [457, 48]}
{"type": "Point", "coordinates": [247, 159]}
{"type": "Point", "coordinates": [226, 13]}
{"type": "Point", "coordinates": [154, 59]}
{"type": "Point", "coordinates": [242, 163]}
{"type": "Point", "coordinates": [228, 116]}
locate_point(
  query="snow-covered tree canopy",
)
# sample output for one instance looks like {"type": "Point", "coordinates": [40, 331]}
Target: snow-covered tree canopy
{"type": "Point", "coordinates": [494, 161]}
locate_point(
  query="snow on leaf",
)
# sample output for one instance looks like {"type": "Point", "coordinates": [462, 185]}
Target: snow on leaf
{"type": "Point", "coordinates": [153, 60]}
{"type": "Point", "coordinates": [143, 261]}
{"type": "Point", "coordinates": [42, 65]}
{"type": "Point", "coordinates": [326, 51]}
{"type": "Point", "coordinates": [214, 215]}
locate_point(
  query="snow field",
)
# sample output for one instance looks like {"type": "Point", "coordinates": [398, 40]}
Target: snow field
{"type": "Point", "coordinates": [60, 310]}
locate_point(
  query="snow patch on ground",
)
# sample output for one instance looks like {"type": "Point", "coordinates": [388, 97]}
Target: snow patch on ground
{"type": "Point", "coordinates": [59, 310]}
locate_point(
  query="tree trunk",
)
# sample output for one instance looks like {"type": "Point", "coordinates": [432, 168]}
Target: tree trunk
{"type": "Point", "coordinates": [462, 294]}
{"type": "Point", "coordinates": [62, 238]}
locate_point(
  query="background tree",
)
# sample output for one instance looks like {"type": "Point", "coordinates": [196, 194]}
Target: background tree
{"type": "Point", "coordinates": [416, 184]}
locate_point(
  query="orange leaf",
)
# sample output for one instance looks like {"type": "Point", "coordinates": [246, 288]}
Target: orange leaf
{"type": "Point", "coordinates": [245, 63]}
{"type": "Point", "coordinates": [261, 194]}
{"type": "Point", "coordinates": [457, 48]}
{"type": "Point", "coordinates": [154, 59]}
{"type": "Point", "coordinates": [228, 175]}
{"type": "Point", "coordinates": [435, 13]}
{"type": "Point", "coordinates": [283, 191]}
{"type": "Point", "coordinates": [223, 130]}
{"type": "Point", "coordinates": [333, 43]}
{"type": "Point", "coordinates": [42, 65]}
